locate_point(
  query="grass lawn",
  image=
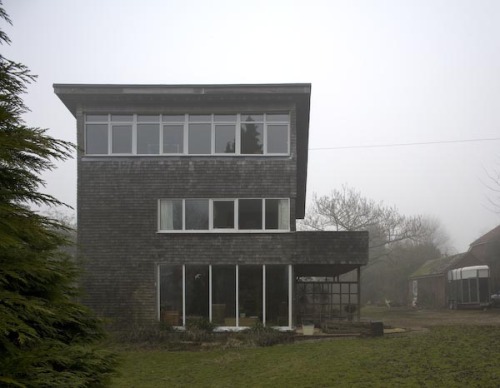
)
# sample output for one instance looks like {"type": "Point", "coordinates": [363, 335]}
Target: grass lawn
{"type": "Point", "coordinates": [444, 356]}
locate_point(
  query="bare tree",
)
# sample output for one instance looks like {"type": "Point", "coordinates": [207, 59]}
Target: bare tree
{"type": "Point", "coordinates": [398, 244]}
{"type": "Point", "coordinates": [493, 185]}
{"type": "Point", "coordinates": [345, 209]}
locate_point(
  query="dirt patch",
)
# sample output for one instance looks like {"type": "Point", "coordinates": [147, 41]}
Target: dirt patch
{"type": "Point", "coordinates": [417, 319]}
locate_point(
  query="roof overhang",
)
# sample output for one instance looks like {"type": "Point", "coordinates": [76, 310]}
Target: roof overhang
{"type": "Point", "coordinates": [81, 96]}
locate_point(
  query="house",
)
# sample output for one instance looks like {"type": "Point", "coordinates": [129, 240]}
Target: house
{"type": "Point", "coordinates": [188, 197]}
{"type": "Point", "coordinates": [487, 248]}
{"type": "Point", "coordinates": [429, 284]}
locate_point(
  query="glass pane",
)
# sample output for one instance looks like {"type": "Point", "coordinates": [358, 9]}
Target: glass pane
{"type": "Point", "coordinates": [171, 294]}
{"type": "Point", "coordinates": [251, 117]}
{"type": "Point", "coordinates": [465, 291]}
{"type": "Point", "coordinates": [224, 295]}
{"type": "Point", "coordinates": [121, 139]}
{"type": "Point", "coordinates": [250, 214]}
{"type": "Point", "coordinates": [225, 118]}
{"type": "Point", "coordinates": [276, 295]}
{"type": "Point", "coordinates": [277, 117]}
{"type": "Point", "coordinates": [196, 214]}
{"type": "Point", "coordinates": [148, 118]}
{"type": "Point", "coordinates": [173, 118]}
{"type": "Point", "coordinates": [97, 118]}
{"type": "Point", "coordinates": [277, 139]}
{"type": "Point", "coordinates": [251, 139]}
{"type": "Point", "coordinates": [196, 292]}
{"type": "Point", "coordinates": [171, 214]}
{"type": "Point", "coordinates": [224, 139]}
{"type": "Point", "coordinates": [173, 139]}
{"type": "Point", "coordinates": [473, 290]}
{"type": "Point", "coordinates": [96, 139]}
{"type": "Point", "coordinates": [122, 118]}
{"type": "Point", "coordinates": [200, 136]}
{"type": "Point", "coordinates": [200, 118]}
{"type": "Point", "coordinates": [277, 214]}
{"type": "Point", "coordinates": [224, 214]}
{"type": "Point", "coordinates": [148, 138]}
{"type": "Point", "coordinates": [250, 294]}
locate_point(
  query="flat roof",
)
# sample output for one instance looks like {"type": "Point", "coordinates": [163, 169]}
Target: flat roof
{"type": "Point", "coordinates": [79, 96]}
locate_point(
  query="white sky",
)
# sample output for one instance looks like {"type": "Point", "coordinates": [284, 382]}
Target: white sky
{"type": "Point", "coordinates": [382, 72]}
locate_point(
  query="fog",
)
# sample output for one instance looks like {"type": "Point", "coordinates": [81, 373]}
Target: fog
{"type": "Point", "coordinates": [405, 94]}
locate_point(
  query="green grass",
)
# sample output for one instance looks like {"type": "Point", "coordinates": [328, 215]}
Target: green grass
{"type": "Point", "coordinates": [447, 356]}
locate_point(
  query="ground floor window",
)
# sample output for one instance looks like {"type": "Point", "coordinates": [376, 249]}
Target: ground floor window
{"type": "Point", "coordinates": [227, 295]}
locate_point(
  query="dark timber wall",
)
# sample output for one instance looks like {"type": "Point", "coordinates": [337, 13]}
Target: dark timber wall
{"type": "Point", "coordinates": [118, 241]}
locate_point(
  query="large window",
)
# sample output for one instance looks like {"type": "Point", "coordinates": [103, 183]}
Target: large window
{"type": "Point", "coordinates": [209, 134]}
{"type": "Point", "coordinates": [224, 295]}
{"type": "Point", "coordinates": [228, 295]}
{"type": "Point", "coordinates": [224, 215]}
{"type": "Point", "coordinates": [277, 295]}
{"type": "Point", "coordinates": [197, 283]}
{"type": "Point", "coordinates": [171, 299]}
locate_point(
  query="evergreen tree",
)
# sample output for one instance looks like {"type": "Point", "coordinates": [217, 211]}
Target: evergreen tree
{"type": "Point", "coordinates": [251, 138]}
{"type": "Point", "coordinates": [46, 338]}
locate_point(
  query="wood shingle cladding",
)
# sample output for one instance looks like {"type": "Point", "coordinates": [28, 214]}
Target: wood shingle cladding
{"type": "Point", "coordinates": [119, 196]}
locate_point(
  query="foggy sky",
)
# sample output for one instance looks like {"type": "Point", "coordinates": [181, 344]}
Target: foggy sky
{"type": "Point", "coordinates": [382, 73]}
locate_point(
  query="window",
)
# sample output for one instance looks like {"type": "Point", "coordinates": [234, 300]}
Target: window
{"type": "Point", "coordinates": [277, 139]}
{"type": "Point", "coordinates": [173, 139]}
{"type": "Point", "coordinates": [197, 284]}
{"type": "Point", "coordinates": [224, 295]}
{"type": "Point", "coordinates": [277, 214]}
{"type": "Point", "coordinates": [196, 214]}
{"type": "Point", "coordinates": [250, 214]}
{"type": "Point", "coordinates": [121, 139]}
{"type": "Point", "coordinates": [208, 134]}
{"type": "Point", "coordinates": [200, 138]}
{"type": "Point", "coordinates": [96, 139]}
{"type": "Point", "coordinates": [171, 294]}
{"type": "Point", "coordinates": [148, 134]}
{"type": "Point", "coordinates": [148, 138]}
{"type": "Point", "coordinates": [225, 139]}
{"type": "Point", "coordinates": [224, 215]}
{"type": "Point", "coordinates": [277, 295]}
{"type": "Point", "coordinates": [231, 296]}
{"type": "Point", "coordinates": [252, 133]}
{"type": "Point", "coordinates": [171, 214]}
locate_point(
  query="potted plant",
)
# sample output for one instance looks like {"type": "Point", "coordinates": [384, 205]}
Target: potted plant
{"type": "Point", "coordinates": [350, 310]}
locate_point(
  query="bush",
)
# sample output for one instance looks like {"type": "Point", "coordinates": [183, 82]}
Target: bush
{"type": "Point", "coordinates": [260, 335]}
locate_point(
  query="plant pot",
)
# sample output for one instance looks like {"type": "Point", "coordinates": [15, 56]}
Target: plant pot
{"type": "Point", "coordinates": [308, 329]}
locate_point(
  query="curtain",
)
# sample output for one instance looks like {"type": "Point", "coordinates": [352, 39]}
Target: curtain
{"type": "Point", "coordinates": [283, 214]}
{"type": "Point", "coordinates": [166, 214]}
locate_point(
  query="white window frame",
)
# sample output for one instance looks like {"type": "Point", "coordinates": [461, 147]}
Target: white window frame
{"type": "Point", "coordinates": [211, 228]}
{"type": "Point", "coordinates": [185, 125]}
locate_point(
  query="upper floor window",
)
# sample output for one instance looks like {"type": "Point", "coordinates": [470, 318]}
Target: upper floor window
{"type": "Point", "coordinates": [210, 134]}
{"type": "Point", "coordinates": [224, 215]}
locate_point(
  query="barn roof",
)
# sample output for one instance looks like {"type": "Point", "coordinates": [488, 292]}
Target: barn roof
{"type": "Point", "coordinates": [438, 266]}
{"type": "Point", "coordinates": [493, 234]}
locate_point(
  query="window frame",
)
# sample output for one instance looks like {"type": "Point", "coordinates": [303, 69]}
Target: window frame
{"type": "Point", "coordinates": [162, 123]}
{"type": "Point", "coordinates": [181, 289]}
{"type": "Point", "coordinates": [211, 228]}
